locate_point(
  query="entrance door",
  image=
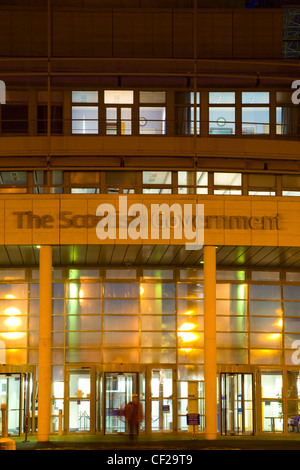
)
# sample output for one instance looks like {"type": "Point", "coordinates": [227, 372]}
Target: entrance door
{"type": "Point", "coordinates": [119, 389]}
{"type": "Point", "coordinates": [236, 404]}
{"type": "Point", "coordinates": [16, 390]}
{"type": "Point", "coordinates": [10, 393]}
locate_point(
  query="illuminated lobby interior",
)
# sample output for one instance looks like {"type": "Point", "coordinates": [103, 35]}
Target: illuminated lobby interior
{"type": "Point", "coordinates": [164, 102]}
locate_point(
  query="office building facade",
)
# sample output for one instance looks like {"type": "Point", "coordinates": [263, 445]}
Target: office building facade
{"type": "Point", "coordinates": [111, 110]}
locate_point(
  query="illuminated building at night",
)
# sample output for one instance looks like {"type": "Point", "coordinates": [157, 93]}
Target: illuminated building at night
{"type": "Point", "coordinates": [149, 216]}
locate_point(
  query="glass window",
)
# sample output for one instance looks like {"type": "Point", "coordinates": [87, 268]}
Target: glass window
{"type": "Point", "coordinates": [121, 306]}
{"type": "Point", "coordinates": [291, 292]}
{"type": "Point", "coordinates": [118, 97]}
{"type": "Point", "coordinates": [255, 97]}
{"type": "Point", "coordinates": [190, 290]}
{"type": "Point", "coordinates": [85, 96]}
{"type": "Point", "coordinates": [185, 113]}
{"type": "Point", "coordinates": [266, 324]}
{"type": "Point", "coordinates": [265, 276]}
{"type": "Point", "coordinates": [221, 120]}
{"type": "Point", "coordinates": [152, 120]}
{"type": "Point", "coordinates": [227, 179]}
{"type": "Point", "coordinates": [231, 307]}
{"type": "Point", "coordinates": [120, 323]}
{"type": "Point", "coordinates": [267, 292]}
{"type": "Point", "coordinates": [265, 308]}
{"type": "Point", "coordinates": [231, 291]}
{"type": "Point", "coordinates": [158, 307]}
{"type": "Point", "coordinates": [157, 177]}
{"type": "Point", "coordinates": [293, 277]}
{"type": "Point", "coordinates": [258, 180]}
{"type": "Point", "coordinates": [121, 290]}
{"type": "Point", "coordinates": [255, 120]}
{"type": "Point", "coordinates": [287, 120]}
{"type": "Point", "coordinates": [152, 96]}
{"type": "Point", "coordinates": [223, 97]}
{"type": "Point", "coordinates": [84, 120]}
{"type": "Point", "coordinates": [157, 290]}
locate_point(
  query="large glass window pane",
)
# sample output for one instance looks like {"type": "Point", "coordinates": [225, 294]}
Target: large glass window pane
{"type": "Point", "coordinates": [158, 322]}
{"type": "Point", "coordinates": [265, 308]}
{"type": "Point", "coordinates": [190, 290]}
{"type": "Point", "coordinates": [231, 291]}
{"type": "Point", "coordinates": [157, 177]}
{"type": "Point", "coordinates": [287, 120]}
{"type": "Point", "coordinates": [83, 290]}
{"type": "Point", "coordinates": [221, 120]}
{"type": "Point", "coordinates": [85, 96]}
{"type": "Point", "coordinates": [255, 97]}
{"type": "Point", "coordinates": [164, 290]}
{"type": "Point", "coordinates": [292, 292]}
{"type": "Point", "coordinates": [266, 324]}
{"type": "Point", "coordinates": [78, 307]}
{"type": "Point", "coordinates": [120, 323]}
{"type": "Point", "coordinates": [269, 292]}
{"type": "Point", "coordinates": [152, 96]}
{"type": "Point", "coordinates": [227, 179]}
{"type": "Point", "coordinates": [221, 97]}
{"type": "Point", "coordinates": [124, 339]}
{"type": "Point", "coordinates": [158, 340]}
{"type": "Point", "coordinates": [121, 306]}
{"type": "Point", "coordinates": [231, 307]}
{"type": "Point", "coordinates": [121, 290]}
{"type": "Point", "coordinates": [118, 97]}
{"type": "Point", "coordinates": [255, 120]}
{"type": "Point", "coordinates": [152, 120]}
{"type": "Point", "coordinates": [78, 323]}
{"type": "Point", "coordinates": [84, 120]}
{"type": "Point", "coordinates": [158, 307]}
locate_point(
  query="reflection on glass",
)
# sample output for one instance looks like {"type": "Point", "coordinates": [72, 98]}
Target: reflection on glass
{"type": "Point", "coordinates": [84, 120]}
{"type": "Point", "coordinates": [222, 120]}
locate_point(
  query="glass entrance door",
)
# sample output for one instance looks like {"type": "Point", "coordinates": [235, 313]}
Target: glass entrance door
{"type": "Point", "coordinates": [79, 413]}
{"type": "Point", "coordinates": [236, 404]}
{"type": "Point", "coordinates": [119, 389]}
{"type": "Point", "coordinates": [10, 393]}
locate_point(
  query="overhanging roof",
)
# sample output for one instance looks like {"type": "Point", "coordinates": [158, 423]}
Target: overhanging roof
{"type": "Point", "coordinates": [151, 255]}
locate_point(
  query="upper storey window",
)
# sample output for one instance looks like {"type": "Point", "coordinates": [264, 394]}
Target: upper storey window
{"type": "Point", "coordinates": [287, 115]}
{"type": "Point", "coordinates": [222, 112]}
{"type": "Point", "coordinates": [118, 111]}
{"type": "Point", "coordinates": [255, 112]}
{"type": "Point", "coordinates": [85, 112]}
{"type": "Point", "coordinates": [187, 113]}
{"type": "Point", "coordinates": [152, 112]}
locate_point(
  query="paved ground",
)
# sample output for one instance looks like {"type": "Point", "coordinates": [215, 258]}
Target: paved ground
{"type": "Point", "coordinates": [160, 443]}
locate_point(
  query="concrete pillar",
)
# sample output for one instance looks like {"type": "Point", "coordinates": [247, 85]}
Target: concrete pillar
{"type": "Point", "coordinates": [44, 374]}
{"type": "Point", "coordinates": [210, 354]}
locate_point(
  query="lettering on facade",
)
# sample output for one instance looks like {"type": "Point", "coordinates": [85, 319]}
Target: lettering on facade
{"type": "Point", "coordinates": [296, 94]}
{"type": "Point", "coordinates": [233, 222]}
{"type": "Point", "coordinates": [165, 220]}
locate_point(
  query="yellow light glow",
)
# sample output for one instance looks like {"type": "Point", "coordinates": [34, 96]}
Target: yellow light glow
{"type": "Point", "coordinates": [141, 290]}
{"type": "Point", "coordinates": [188, 337]}
{"type": "Point", "coordinates": [13, 335]}
{"type": "Point", "coordinates": [187, 327]}
{"type": "Point", "coordinates": [279, 323]}
{"type": "Point", "coordinates": [12, 321]}
{"type": "Point", "coordinates": [189, 312]}
{"type": "Point", "coordinates": [274, 336]}
{"type": "Point", "coordinates": [9, 296]}
{"type": "Point", "coordinates": [12, 311]}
